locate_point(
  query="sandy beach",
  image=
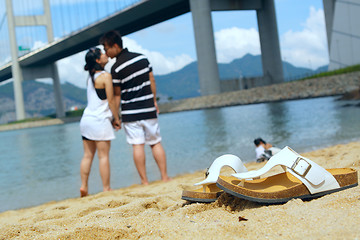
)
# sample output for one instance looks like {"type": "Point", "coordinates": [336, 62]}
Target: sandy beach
{"type": "Point", "coordinates": [157, 212]}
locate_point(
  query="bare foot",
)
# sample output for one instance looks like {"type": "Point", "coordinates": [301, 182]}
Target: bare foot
{"type": "Point", "coordinates": [166, 179]}
{"type": "Point", "coordinates": [83, 192]}
{"type": "Point", "coordinates": [145, 183]}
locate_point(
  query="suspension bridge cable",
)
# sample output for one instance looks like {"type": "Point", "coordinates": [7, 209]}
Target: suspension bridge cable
{"type": "Point", "coordinates": [83, 15]}
{"type": "Point", "coordinates": [87, 15]}
{"type": "Point", "coordinates": [25, 32]}
{"type": "Point", "coordinates": [74, 16]}
{"type": "Point", "coordinates": [3, 40]}
{"type": "Point", "coordinates": [2, 21]}
{"type": "Point", "coordinates": [107, 9]}
{"type": "Point", "coordinates": [67, 17]}
{"type": "Point", "coordinates": [52, 18]}
{"type": "Point", "coordinates": [74, 26]}
{"type": "Point", "coordinates": [101, 10]}
{"type": "Point", "coordinates": [57, 20]}
{"type": "Point", "coordinates": [30, 41]}
{"type": "Point", "coordinates": [97, 11]}
{"type": "Point", "coordinates": [95, 14]}
{"type": "Point", "coordinates": [115, 6]}
{"type": "Point", "coordinates": [68, 11]}
{"type": "Point", "coordinates": [61, 18]}
{"type": "Point", "coordinates": [78, 15]}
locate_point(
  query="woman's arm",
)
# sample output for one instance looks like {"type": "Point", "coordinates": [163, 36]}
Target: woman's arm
{"type": "Point", "coordinates": [109, 89]}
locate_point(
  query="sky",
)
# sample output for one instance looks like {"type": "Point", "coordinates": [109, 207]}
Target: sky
{"type": "Point", "coordinates": [171, 45]}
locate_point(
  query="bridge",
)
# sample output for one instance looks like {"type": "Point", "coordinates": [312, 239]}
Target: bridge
{"type": "Point", "coordinates": [141, 14]}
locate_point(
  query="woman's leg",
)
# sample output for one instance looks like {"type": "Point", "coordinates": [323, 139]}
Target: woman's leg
{"type": "Point", "coordinates": [103, 148]}
{"type": "Point", "coordinates": [85, 165]}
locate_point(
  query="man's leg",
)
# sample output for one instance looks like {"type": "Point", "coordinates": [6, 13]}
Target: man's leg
{"type": "Point", "coordinates": [160, 158]}
{"type": "Point", "coordinates": [85, 165]}
{"type": "Point", "coordinates": [103, 148]}
{"type": "Point", "coordinates": [139, 160]}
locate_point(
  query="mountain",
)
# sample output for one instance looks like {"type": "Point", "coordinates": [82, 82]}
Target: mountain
{"type": "Point", "coordinates": [247, 66]}
{"type": "Point", "coordinates": [39, 97]}
{"type": "Point", "coordinates": [181, 84]}
{"type": "Point", "coordinates": [185, 84]}
{"type": "Point", "coordinates": [322, 69]}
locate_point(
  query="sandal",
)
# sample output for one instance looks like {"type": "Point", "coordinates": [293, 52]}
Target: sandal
{"type": "Point", "coordinates": [210, 192]}
{"type": "Point", "coordinates": [303, 179]}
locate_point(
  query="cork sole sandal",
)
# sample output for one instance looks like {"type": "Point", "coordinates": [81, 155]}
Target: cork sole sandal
{"type": "Point", "coordinates": [207, 195]}
{"type": "Point", "coordinates": [303, 179]}
{"type": "Point", "coordinates": [209, 192]}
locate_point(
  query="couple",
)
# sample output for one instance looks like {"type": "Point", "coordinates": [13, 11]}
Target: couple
{"type": "Point", "coordinates": [132, 83]}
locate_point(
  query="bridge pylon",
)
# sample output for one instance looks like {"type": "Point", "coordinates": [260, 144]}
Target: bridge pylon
{"type": "Point", "coordinates": [19, 73]}
{"type": "Point", "coordinates": [205, 44]}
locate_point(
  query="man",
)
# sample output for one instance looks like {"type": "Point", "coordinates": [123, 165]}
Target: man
{"type": "Point", "coordinates": [135, 89]}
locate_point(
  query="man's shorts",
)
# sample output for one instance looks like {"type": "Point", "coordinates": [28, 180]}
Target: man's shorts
{"type": "Point", "coordinates": [143, 131]}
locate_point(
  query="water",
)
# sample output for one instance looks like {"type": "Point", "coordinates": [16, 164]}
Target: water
{"type": "Point", "coordinates": [42, 164]}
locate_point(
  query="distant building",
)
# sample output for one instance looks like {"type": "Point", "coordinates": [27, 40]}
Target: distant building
{"type": "Point", "coordinates": [343, 32]}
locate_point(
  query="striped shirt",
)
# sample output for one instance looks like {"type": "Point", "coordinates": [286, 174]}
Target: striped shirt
{"type": "Point", "coordinates": [131, 73]}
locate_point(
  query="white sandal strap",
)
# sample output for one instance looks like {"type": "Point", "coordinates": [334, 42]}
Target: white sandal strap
{"type": "Point", "coordinates": [225, 160]}
{"type": "Point", "coordinates": [315, 177]}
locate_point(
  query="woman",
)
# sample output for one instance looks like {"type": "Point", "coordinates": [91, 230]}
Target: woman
{"type": "Point", "coordinates": [98, 119]}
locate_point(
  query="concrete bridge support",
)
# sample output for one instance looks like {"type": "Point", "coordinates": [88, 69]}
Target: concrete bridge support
{"type": "Point", "coordinates": [59, 104]}
{"type": "Point", "coordinates": [48, 71]}
{"type": "Point", "coordinates": [329, 6]}
{"type": "Point", "coordinates": [269, 42]}
{"type": "Point", "coordinates": [15, 67]}
{"type": "Point", "coordinates": [343, 35]}
{"type": "Point", "coordinates": [205, 45]}
{"type": "Point", "coordinates": [19, 73]}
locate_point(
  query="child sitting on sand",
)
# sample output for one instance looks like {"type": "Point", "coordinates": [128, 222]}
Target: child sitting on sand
{"type": "Point", "coordinates": [264, 151]}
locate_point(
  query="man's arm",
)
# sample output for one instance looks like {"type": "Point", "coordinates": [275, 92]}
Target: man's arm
{"type": "Point", "coordinates": [153, 89]}
{"type": "Point", "coordinates": [117, 96]}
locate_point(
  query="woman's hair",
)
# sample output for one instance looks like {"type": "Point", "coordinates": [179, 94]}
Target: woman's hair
{"type": "Point", "coordinates": [112, 37]}
{"type": "Point", "coordinates": [91, 65]}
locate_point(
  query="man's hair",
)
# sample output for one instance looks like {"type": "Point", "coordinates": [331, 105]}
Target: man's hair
{"type": "Point", "coordinates": [110, 38]}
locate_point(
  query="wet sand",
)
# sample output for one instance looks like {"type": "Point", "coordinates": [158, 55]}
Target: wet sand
{"type": "Point", "coordinates": [157, 212]}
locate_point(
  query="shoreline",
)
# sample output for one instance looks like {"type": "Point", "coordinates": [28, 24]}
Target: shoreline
{"type": "Point", "coordinates": [337, 85]}
{"type": "Point", "coordinates": [344, 84]}
{"type": "Point", "coordinates": [157, 211]}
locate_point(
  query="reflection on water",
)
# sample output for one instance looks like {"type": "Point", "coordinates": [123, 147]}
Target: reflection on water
{"type": "Point", "coordinates": [42, 164]}
{"type": "Point", "coordinates": [277, 117]}
{"type": "Point", "coordinates": [214, 126]}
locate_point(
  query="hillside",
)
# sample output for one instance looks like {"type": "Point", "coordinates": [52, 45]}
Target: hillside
{"type": "Point", "coordinates": [39, 97]}
{"type": "Point", "coordinates": [185, 84]}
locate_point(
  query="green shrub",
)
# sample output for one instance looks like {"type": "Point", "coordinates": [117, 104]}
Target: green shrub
{"type": "Point", "coordinates": [349, 69]}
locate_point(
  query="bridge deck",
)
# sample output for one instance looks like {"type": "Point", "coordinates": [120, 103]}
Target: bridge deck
{"type": "Point", "coordinates": [139, 16]}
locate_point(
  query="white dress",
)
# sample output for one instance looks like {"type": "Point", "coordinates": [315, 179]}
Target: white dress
{"type": "Point", "coordinates": [95, 123]}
